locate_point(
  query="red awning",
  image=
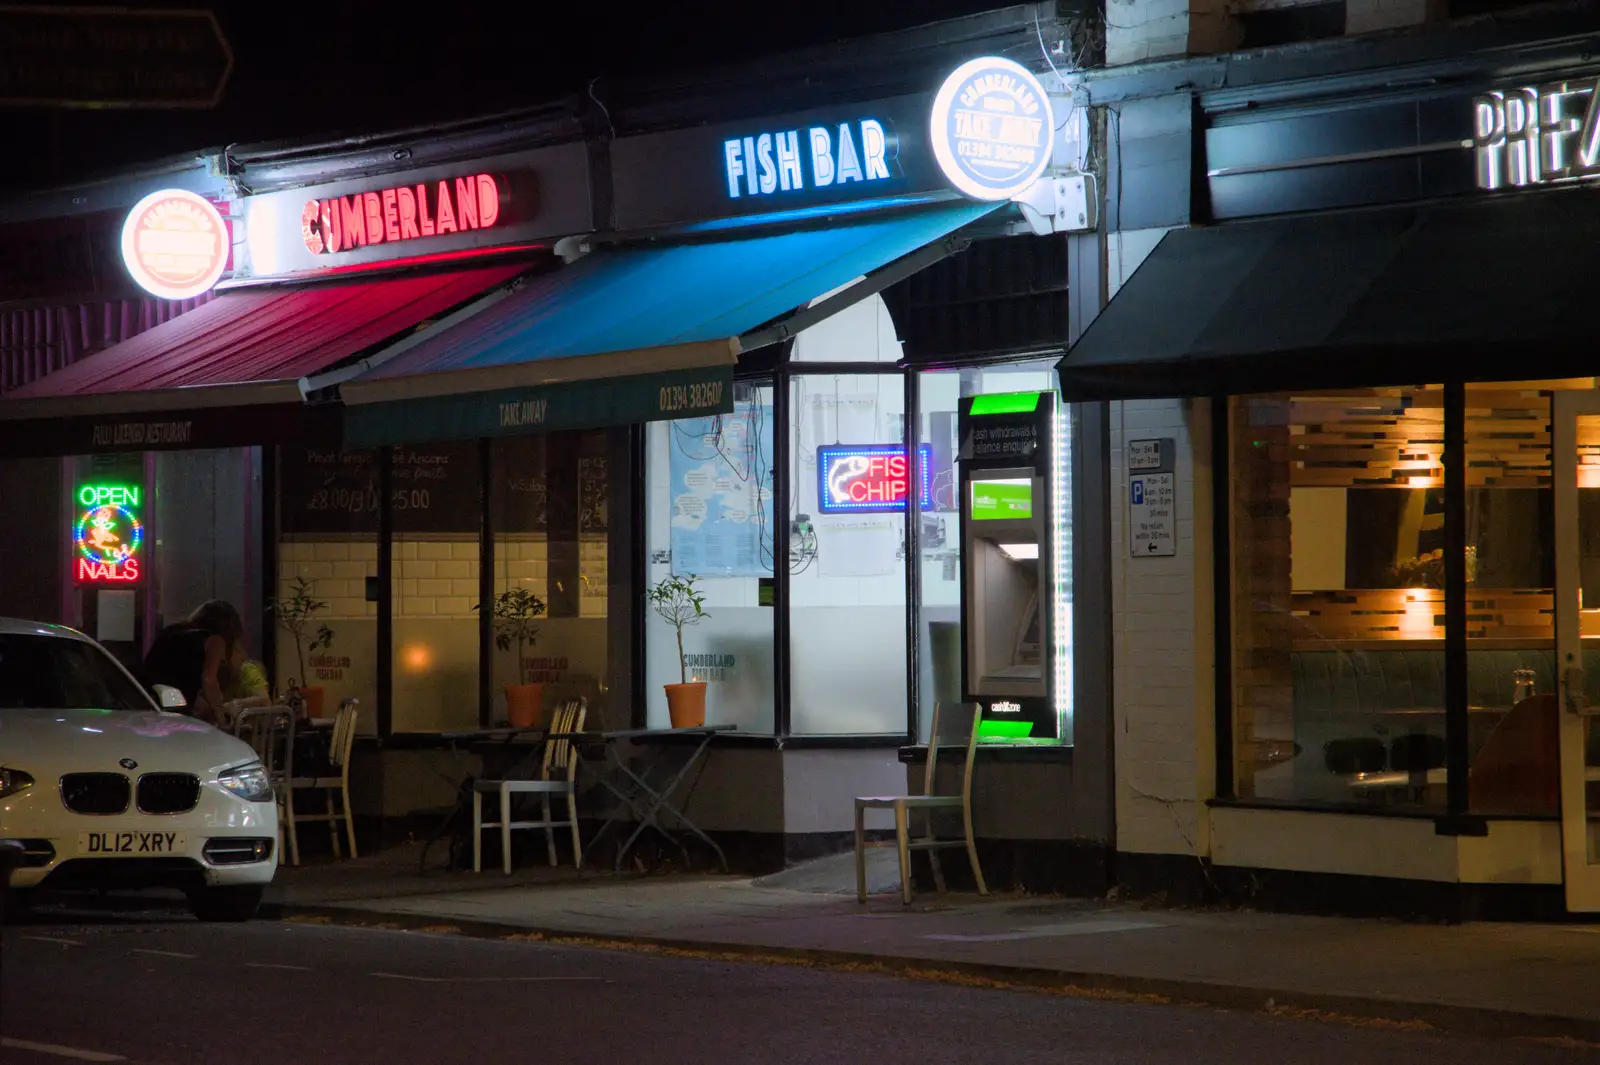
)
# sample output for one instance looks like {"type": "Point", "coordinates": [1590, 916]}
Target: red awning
{"type": "Point", "coordinates": [250, 337]}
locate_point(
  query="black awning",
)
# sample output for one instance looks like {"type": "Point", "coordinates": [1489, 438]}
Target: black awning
{"type": "Point", "coordinates": [1499, 288]}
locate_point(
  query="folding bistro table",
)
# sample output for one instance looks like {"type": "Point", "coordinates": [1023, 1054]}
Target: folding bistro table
{"type": "Point", "coordinates": [646, 792]}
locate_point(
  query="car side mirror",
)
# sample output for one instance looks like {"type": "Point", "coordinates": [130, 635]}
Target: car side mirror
{"type": "Point", "coordinates": [170, 698]}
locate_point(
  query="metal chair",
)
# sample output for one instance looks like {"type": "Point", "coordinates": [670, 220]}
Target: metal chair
{"type": "Point", "coordinates": [560, 761]}
{"type": "Point", "coordinates": [269, 730]}
{"type": "Point", "coordinates": [957, 723]}
{"type": "Point", "coordinates": [339, 745]}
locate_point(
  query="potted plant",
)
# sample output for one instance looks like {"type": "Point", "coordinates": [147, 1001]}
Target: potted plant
{"type": "Point", "coordinates": [514, 612]}
{"type": "Point", "coordinates": [680, 603]}
{"type": "Point", "coordinates": [296, 615]}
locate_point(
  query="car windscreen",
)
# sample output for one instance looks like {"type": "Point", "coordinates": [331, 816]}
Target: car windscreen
{"type": "Point", "coordinates": [54, 673]}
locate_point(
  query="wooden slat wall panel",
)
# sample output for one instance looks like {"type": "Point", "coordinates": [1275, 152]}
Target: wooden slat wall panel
{"type": "Point", "coordinates": [1334, 619]}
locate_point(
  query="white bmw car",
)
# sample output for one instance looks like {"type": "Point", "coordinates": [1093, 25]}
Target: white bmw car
{"type": "Point", "coordinates": [105, 789]}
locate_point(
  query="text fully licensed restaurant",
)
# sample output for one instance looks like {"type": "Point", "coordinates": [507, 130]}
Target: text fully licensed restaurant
{"type": "Point", "coordinates": [761, 366]}
{"type": "Point", "coordinates": [1383, 598]}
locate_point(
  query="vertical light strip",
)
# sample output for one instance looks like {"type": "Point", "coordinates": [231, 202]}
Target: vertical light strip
{"type": "Point", "coordinates": [1061, 572]}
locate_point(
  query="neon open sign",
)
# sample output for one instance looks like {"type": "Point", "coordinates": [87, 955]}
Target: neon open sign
{"type": "Point", "coordinates": [871, 478]}
{"type": "Point", "coordinates": [108, 534]}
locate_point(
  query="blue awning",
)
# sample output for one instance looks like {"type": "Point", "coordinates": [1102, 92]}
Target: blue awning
{"type": "Point", "coordinates": [633, 312]}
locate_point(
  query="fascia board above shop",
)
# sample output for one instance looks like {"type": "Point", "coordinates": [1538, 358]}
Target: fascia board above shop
{"type": "Point", "coordinates": [637, 315]}
{"type": "Point", "coordinates": [450, 209]}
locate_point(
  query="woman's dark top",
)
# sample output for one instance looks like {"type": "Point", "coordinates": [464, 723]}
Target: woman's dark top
{"type": "Point", "coordinates": [177, 659]}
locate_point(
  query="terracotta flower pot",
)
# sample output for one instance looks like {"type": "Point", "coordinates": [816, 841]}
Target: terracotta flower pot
{"type": "Point", "coordinates": [312, 698]}
{"type": "Point", "coordinates": [687, 704]}
{"type": "Point", "coordinates": [525, 705]}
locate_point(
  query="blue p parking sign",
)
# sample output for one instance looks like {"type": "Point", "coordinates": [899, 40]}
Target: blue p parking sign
{"type": "Point", "coordinates": [1136, 486]}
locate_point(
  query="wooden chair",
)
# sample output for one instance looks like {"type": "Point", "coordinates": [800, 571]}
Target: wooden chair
{"type": "Point", "coordinates": [339, 745]}
{"type": "Point", "coordinates": [957, 723]}
{"type": "Point", "coordinates": [269, 730]}
{"type": "Point", "coordinates": [558, 775]}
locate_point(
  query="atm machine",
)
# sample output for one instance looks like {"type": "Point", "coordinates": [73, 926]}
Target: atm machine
{"type": "Point", "coordinates": [1008, 562]}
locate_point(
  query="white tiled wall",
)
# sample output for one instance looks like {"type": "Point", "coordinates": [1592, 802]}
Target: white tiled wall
{"type": "Point", "coordinates": [1164, 668]}
{"type": "Point", "coordinates": [1164, 664]}
{"type": "Point", "coordinates": [528, 560]}
{"type": "Point", "coordinates": [339, 570]}
{"type": "Point", "coordinates": [434, 578]}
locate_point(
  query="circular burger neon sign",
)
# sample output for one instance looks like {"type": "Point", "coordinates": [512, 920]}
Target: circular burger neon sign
{"type": "Point", "coordinates": [992, 128]}
{"type": "Point", "coordinates": [175, 244]}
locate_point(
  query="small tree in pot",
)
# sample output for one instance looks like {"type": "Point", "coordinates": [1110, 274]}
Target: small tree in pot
{"type": "Point", "coordinates": [514, 612]}
{"type": "Point", "coordinates": [296, 614]}
{"type": "Point", "coordinates": [680, 603]}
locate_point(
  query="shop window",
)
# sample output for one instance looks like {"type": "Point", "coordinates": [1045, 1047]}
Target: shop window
{"type": "Point", "coordinates": [207, 540]}
{"type": "Point", "coordinates": [1338, 549]}
{"type": "Point", "coordinates": [939, 633]}
{"type": "Point", "coordinates": [34, 591]}
{"type": "Point", "coordinates": [846, 526]}
{"type": "Point", "coordinates": [1338, 597]}
{"type": "Point", "coordinates": [437, 508]}
{"type": "Point", "coordinates": [548, 510]}
{"type": "Point", "coordinates": [328, 539]}
{"type": "Point", "coordinates": [191, 523]}
{"type": "Point", "coordinates": [709, 514]}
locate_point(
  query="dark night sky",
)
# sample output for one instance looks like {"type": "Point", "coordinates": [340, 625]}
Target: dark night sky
{"type": "Point", "coordinates": [305, 69]}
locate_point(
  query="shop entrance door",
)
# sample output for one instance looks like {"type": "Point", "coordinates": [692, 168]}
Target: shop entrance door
{"type": "Point", "coordinates": [1576, 445]}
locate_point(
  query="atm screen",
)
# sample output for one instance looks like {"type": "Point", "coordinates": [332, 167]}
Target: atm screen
{"type": "Point", "coordinates": [1002, 500]}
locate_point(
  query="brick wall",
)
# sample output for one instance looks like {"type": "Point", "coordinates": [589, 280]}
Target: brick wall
{"type": "Point", "coordinates": [1137, 30]}
{"type": "Point", "coordinates": [1376, 16]}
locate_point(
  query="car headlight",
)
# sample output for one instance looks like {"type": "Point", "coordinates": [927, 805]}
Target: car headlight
{"type": "Point", "coordinates": [248, 781]}
{"type": "Point", "coordinates": [13, 781]}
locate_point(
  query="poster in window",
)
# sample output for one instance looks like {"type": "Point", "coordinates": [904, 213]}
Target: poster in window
{"type": "Point", "coordinates": [721, 471]}
{"type": "Point", "coordinates": [593, 486]}
{"type": "Point", "coordinates": [328, 491]}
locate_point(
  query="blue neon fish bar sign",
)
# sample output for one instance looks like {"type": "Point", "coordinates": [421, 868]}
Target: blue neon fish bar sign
{"type": "Point", "coordinates": [816, 157]}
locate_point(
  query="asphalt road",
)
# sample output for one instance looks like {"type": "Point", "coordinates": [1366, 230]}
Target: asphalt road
{"type": "Point", "coordinates": [162, 990]}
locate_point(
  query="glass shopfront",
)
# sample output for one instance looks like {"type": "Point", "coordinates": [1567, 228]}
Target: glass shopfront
{"type": "Point", "coordinates": [825, 456]}
{"type": "Point", "coordinates": [1338, 510]}
{"type": "Point", "coordinates": [416, 646]}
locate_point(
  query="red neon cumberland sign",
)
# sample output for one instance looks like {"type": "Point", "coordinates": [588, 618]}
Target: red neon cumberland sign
{"type": "Point", "coordinates": [407, 212]}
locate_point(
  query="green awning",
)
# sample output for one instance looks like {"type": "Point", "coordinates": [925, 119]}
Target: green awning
{"type": "Point", "coordinates": [542, 408]}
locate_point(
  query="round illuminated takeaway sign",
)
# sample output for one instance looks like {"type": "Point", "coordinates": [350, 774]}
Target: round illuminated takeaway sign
{"type": "Point", "coordinates": [992, 128]}
{"type": "Point", "coordinates": [175, 244]}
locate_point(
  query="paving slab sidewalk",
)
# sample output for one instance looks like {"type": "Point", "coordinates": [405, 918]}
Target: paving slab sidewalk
{"type": "Point", "coordinates": [1503, 979]}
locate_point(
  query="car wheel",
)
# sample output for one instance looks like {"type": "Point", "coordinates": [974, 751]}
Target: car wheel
{"type": "Point", "coordinates": [225, 903]}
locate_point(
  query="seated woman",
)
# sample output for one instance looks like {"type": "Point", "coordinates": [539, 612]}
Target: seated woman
{"type": "Point", "coordinates": [244, 686]}
{"type": "Point", "coordinates": [193, 657]}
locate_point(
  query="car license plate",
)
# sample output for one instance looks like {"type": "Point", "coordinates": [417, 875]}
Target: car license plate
{"type": "Point", "coordinates": [126, 844]}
